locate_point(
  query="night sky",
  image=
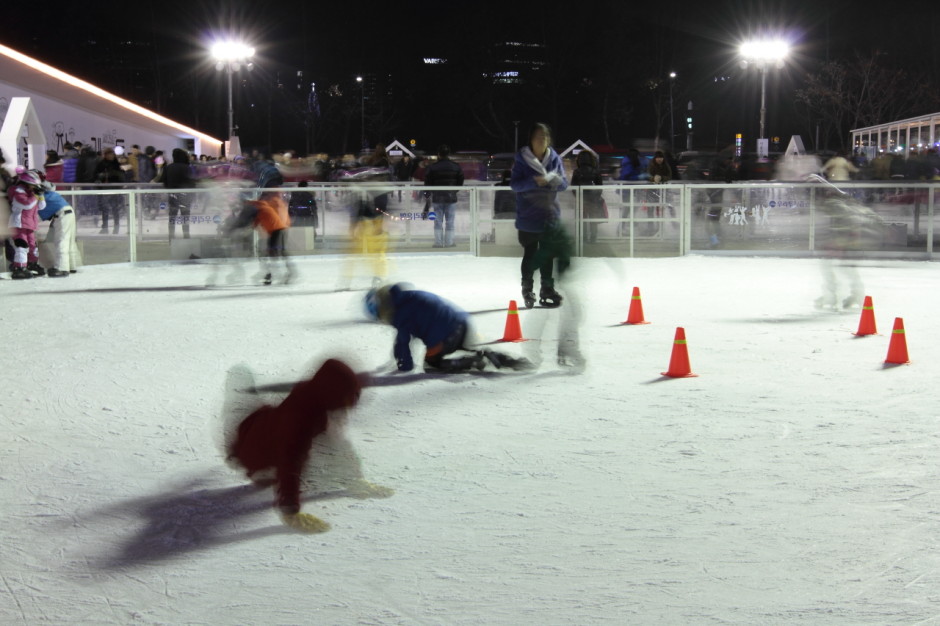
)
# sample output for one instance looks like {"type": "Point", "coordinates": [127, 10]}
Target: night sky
{"type": "Point", "coordinates": [601, 74]}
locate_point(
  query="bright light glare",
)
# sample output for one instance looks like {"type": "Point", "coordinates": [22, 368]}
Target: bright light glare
{"type": "Point", "coordinates": [769, 50]}
{"type": "Point", "coordinates": [232, 51]}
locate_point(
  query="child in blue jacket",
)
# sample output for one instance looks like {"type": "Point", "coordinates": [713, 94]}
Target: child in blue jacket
{"type": "Point", "coordinates": [441, 326]}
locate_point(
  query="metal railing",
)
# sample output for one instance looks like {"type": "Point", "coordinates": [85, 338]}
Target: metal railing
{"type": "Point", "coordinates": [891, 219]}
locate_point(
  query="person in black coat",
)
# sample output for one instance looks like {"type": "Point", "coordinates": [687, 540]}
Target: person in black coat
{"type": "Point", "coordinates": [594, 208]}
{"type": "Point", "coordinates": [108, 171]}
{"type": "Point", "coordinates": [176, 175]}
{"type": "Point", "coordinates": [444, 173]}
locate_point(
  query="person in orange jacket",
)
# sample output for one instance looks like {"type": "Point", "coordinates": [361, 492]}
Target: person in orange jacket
{"type": "Point", "coordinates": [280, 439]}
{"type": "Point", "coordinates": [268, 213]}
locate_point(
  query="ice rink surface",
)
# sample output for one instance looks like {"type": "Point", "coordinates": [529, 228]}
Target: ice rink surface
{"type": "Point", "coordinates": [794, 481]}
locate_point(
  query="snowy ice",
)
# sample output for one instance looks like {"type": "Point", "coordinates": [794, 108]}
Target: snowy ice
{"type": "Point", "coordinates": [793, 481]}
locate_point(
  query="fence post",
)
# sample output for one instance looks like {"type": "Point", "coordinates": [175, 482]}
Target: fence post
{"type": "Point", "coordinates": [474, 216]}
{"type": "Point", "coordinates": [685, 220]}
{"type": "Point", "coordinates": [812, 219]}
{"type": "Point", "coordinates": [931, 206]}
{"type": "Point", "coordinates": [132, 225]}
{"type": "Point", "coordinates": [578, 221]}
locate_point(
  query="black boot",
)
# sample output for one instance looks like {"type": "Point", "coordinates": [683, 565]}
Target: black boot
{"type": "Point", "coordinates": [548, 296]}
{"type": "Point", "coordinates": [21, 273]}
{"type": "Point", "coordinates": [500, 360]}
{"type": "Point", "coordinates": [36, 269]}
{"type": "Point", "coordinates": [528, 295]}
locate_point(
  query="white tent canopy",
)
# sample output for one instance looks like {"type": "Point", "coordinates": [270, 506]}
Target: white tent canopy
{"type": "Point", "coordinates": [69, 109]}
{"type": "Point", "coordinates": [21, 134]}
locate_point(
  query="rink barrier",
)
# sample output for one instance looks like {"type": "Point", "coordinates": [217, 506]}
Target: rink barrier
{"type": "Point", "coordinates": [640, 220]}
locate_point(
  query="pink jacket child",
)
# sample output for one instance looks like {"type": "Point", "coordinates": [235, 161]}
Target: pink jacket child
{"type": "Point", "coordinates": [25, 195]}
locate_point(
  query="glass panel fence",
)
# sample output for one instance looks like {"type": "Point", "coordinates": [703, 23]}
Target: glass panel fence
{"type": "Point", "coordinates": [623, 220]}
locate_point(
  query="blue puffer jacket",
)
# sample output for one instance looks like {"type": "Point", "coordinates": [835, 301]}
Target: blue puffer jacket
{"type": "Point", "coordinates": [536, 207]}
{"type": "Point", "coordinates": [69, 170]}
{"type": "Point", "coordinates": [54, 204]}
{"type": "Point", "coordinates": [424, 315]}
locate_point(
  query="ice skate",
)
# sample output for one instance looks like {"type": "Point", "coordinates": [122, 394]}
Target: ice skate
{"type": "Point", "coordinates": [36, 269]}
{"type": "Point", "coordinates": [20, 273]}
{"type": "Point", "coordinates": [500, 361]}
{"type": "Point", "coordinates": [571, 358]}
{"type": "Point", "coordinates": [548, 297]}
{"type": "Point", "coordinates": [825, 302]}
{"type": "Point", "coordinates": [528, 295]}
{"type": "Point", "coordinates": [852, 301]}
{"type": "Point", "coordinates": [475, 361]}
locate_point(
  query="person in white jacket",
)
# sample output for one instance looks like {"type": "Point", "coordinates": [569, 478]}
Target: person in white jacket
{"type": "Point", "coordinates": [839, 168]}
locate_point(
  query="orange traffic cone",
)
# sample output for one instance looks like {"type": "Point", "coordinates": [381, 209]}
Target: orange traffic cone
{"type": "Point", "coordinates": [635, 316]}
{"type": "Point", "coordinates": [897, 349]}
{"type": "Point", "coordinates": [513, 330]}
{"type": "Point", "coordinates": [679, 363]}
{"type": "Point", "coordinates": [866, 324]}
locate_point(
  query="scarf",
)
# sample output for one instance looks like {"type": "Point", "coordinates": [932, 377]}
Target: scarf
{"type": "Point", "coordinates": [541, 167]}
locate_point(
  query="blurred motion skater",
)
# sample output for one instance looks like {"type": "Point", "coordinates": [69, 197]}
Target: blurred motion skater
{"type": "Point", "coordinates": [368, 238]}
{"type": "Point", "coordinates": [279, 440]}
{"type": "Point", "coordinates": [852, 226]}
{"type": "Point", "coordinates": [443, 328]}
{"type": "Point", "coordinates": [271, 216]}
{"type": "Point", "coordinates": [537, 177]}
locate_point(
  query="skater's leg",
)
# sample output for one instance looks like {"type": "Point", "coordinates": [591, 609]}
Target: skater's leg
{"type": "Point", "coordinates": [530, 248]}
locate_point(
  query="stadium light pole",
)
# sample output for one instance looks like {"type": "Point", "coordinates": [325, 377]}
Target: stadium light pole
{"type": "Point", "coordinates": [672, 118]}
{"type": "Point", "coordinates": [229, 56]}
{"type": "Point", "coordinates": [362, 113]}
{"type": "Point", "coordinates": [763, 53]}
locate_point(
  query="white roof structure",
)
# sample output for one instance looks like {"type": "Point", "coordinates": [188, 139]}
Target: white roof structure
{"type": "Point", "coordinates": [71, 109]}
{"type": "Point", "coordinates": [575, 148]}
{"type": "Point", "coordinates": [901, 136]}
{"type": "Point", "coordinates": [397, 145]}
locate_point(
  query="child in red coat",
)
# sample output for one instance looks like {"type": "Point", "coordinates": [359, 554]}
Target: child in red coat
{"type": "Point", "coordinates": [279, 438]}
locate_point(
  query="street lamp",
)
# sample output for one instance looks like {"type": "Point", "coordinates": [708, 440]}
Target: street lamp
{"type": "Point", "coordinates": [763, 53]}
{"type": "Point", "coordinates": [672, 119]}
{"type": "Point", "coordinates": [229, 56]}
{"type": "Point", "coordinates": [362, 113]}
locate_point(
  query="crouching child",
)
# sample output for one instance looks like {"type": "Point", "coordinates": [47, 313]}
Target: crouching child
{"type": "Point", "coordinates": [443, 328]}
{"type": "Point", "coordinates": [279, 440]}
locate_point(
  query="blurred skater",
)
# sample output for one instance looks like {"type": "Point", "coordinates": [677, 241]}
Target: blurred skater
{"type": "Point", "coordinates": [368, 241]}
{"type": "Point", "coordinates": [442, 327]}
{"type": "Point", "coordinates": [279, 439]}
{"type": "Point", "coordinates": [852, 226]}
{"type": "Point", "coordinates": [271, 216]}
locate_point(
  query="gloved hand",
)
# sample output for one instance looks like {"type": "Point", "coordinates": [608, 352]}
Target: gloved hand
{"type": "Point", "coordinates": [405, 365]}
{"type": "Point", "coordinates": [305, 522]}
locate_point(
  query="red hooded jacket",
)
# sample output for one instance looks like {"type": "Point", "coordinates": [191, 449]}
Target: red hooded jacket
{"type": "Point", "coordinates": [280, 437]}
